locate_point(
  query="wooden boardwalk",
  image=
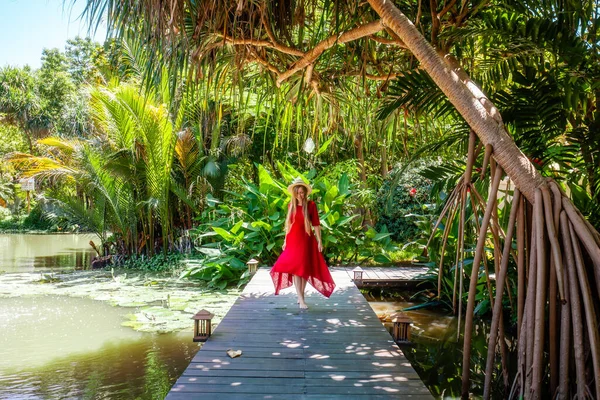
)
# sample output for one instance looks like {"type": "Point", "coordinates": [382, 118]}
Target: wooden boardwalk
{"type": "Point", "coordinates": [408, 276]}
{"type": "Point", "coordinates": [338, 349]}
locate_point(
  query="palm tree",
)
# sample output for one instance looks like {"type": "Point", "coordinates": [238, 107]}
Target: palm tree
{"type": "Point", "coordinates": [129, 177]}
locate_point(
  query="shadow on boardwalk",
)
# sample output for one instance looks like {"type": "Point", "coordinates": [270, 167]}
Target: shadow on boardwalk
{"type": "Point", "coordinates": [336, 349]}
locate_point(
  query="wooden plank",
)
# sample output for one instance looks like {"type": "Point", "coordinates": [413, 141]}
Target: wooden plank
{"type": "Point", "coordinates": [290, 365]}
{"type": "Point", "coordinates": [382, 272]}
{"type": "Point", "coordinates": [305, 341]}
{"type": "Point", "coordinates": [233, 380]}
{"type": "Point", "coordinates": [267, 388]}
{"type": "Point", "coordinates": [299, 353]}
{"type": "Point", "coordinates": [371, 273]}
{"type": "Point", "coordinates": [173, 395]}
{"type": "Point", "coordinates": [244, 373]}
{"type": "Point", "coordinates": [399, 376]}
{"type": "Point", "coordinates": [337, 348]}
{"type": "Point", "coordinates": [264, 388]}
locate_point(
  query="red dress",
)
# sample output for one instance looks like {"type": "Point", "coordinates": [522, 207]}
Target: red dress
{"type": "Point", "coordinates": [302, 257]}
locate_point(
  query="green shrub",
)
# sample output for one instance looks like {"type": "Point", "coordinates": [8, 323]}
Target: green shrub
{"type": "Point", "coordinates": [403, 198]}
{"type": "Point", "coordinates": [4, 213]}
{"type": "Point", "coordinates": [36, 220]}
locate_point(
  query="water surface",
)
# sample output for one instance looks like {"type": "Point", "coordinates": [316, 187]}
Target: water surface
{"type": "Point", "coordinates": [436, 352]}
{"type": "Point", "coordinates": [31, 253]}
{"type": "Point", "coordinates": [65, 347]}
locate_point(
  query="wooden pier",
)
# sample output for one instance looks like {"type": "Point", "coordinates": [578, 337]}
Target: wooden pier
{"type": "Point", "coordinates": [404, 277]}
{"type": "Point", "coordinates": [337, 349]}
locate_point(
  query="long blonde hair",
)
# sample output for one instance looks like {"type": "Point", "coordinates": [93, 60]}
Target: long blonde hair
{"type": "Point", "coordinates": [292, 212]}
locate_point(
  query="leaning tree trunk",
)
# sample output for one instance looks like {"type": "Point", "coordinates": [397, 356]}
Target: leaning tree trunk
{"type": "Point", "coordinates": [482, 117]}
{"type": "Point", "coordinates": [516, 165]}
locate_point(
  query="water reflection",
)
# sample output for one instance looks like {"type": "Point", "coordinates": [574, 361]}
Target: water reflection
{"type": "Point", "coordinates": [62, 347]}
{"type": "Point", "coordinates": [436, 353]}
{"type": "Point", "coordinates": [427, 323]}
{"type": "Point", "coordinates": [30, 253]}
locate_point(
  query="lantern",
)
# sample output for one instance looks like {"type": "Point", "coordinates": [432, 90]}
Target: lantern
{"type": "Point", "coordinates": [252, 266]}
{"type": "Point", "coordinates": [358, 275]}
{"type": "Point", "coordinates": [401, 327]}
{"type": "Point", "coordinates": [202, 325]}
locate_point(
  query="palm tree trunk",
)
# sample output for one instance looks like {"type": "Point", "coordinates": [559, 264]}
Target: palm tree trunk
{"type": "Point", "coordinates": [384, 160]}
{"type": "Point", "coordinates": [358, 143]}
{"type": "Point", "coordinates": [405, 136]}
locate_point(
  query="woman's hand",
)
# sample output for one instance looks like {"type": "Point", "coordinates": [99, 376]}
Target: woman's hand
{"type": "Point", "coordinates": [318, 236]}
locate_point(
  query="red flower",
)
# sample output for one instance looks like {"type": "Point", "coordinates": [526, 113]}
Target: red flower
{"type": "Point", "coordinates": [538, 162]}
{"type": "Point", "coordinates": [412, 192]}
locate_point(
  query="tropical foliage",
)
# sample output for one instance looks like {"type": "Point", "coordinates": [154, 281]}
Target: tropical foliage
{"type": "Point", "coordinates": [121, 179]}
{"type": "Point", "coordinates": [403, 200]}
{"type": "Point", "coordinates": [250, 224]}
{"type": "Point", "coordinates": [331, 86]}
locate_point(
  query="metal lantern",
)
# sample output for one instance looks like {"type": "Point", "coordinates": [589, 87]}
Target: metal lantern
{"type": "Point", "coordinates": [358, 274]}
{"type": "Point", "coordinates": [202, 325]}
{"type": "Point", "coordinates": [252, 265]}
{"type": "Point", "coordinates": [401, 327]}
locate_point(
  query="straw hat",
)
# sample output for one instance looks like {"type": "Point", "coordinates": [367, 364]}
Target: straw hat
{"type": "Point", "coordinates": [299, 182]}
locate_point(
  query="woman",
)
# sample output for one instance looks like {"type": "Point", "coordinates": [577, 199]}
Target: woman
{"type": "Point", "coordinates": [301, 260]}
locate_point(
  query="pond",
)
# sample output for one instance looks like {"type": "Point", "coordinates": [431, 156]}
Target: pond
{"type": "Point", "coordinates": [436, 353]}
{"type": "Point", "coordinates": [70, 332]}
{"type": "Point", "coordinates": [65, 347]}
{"type": "Point", "coordinates": [30, 252]}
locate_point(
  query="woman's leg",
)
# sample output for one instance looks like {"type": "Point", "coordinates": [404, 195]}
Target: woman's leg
{"type": "Point", "coordinates": [300, 284]}
{"type": "Point", "coordinates": [303, 284]}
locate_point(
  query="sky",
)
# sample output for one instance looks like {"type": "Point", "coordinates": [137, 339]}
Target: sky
{"type": "Point", "coordinates": [28, 26]}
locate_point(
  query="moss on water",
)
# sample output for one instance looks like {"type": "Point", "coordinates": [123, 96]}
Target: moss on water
{"type": "Point", "coordinates": [159, 303]}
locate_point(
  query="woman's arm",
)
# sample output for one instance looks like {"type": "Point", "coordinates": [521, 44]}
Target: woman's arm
{"type": "Point", "coordinates": [318, 235]}
{"type": "Point", "coordinates": [314, 220]}
{"type": "Point", "coordinates": [287, 225]}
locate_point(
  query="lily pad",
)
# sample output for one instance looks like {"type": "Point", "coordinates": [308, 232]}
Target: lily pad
{"type": "Point", "coordinates": [163, 304]}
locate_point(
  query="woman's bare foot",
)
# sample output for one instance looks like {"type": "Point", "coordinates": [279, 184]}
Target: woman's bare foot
{"type": "Point", "coordinates": [302, 305]}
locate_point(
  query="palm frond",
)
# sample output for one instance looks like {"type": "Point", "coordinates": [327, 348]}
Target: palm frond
{"type": "Point", "coordinates": [417, 91]}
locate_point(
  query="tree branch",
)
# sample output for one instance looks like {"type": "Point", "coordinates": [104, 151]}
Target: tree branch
{"type": "Point", "coordinates": [382, 40]}
{"type": "Point", "coordinates": [391, 75]}
{"type": "Point", "coordinates": [275, 42]}
{"type": "Point", "coordinates": [446, 8]}
{"type": "Point", "coordinates": [310, 56]}
{"type": "Point", "coordinates": [265, 63]}
{"type": "Point", "coordinates": [262, 43]}
{"type": "Point", "coordinates": [435, 21]}
{"type": "Point", "coordinates": [309, 72]}
{"type": "Point", "coordinates": [263, 17]}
